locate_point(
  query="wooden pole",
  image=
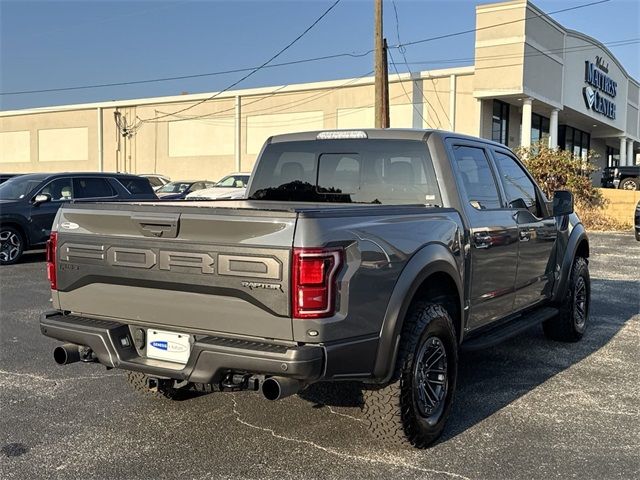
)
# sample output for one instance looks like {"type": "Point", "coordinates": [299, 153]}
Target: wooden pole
{"type": "Point", "coordinates": [385, 87]}
{"type": "Point", "coordinates": [379, 66]}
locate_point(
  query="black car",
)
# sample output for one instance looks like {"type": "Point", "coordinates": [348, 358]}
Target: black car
{"type": "Point", "coordinates": [29, 203]}
{"type": "Point", "coordinates": [179, 190]}
{"type": "Point", "coordinates": [637, 221]}
{"type": "Point", "coordinates": [6, 176]}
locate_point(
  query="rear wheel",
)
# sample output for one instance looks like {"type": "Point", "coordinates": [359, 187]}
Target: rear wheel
{"type": "Point", "coordinates": [414, 407]}
{"type": "Point", "coordinates": [11, 245]}
{"type": "Point", "coordinates": [570, 324]}
{"type": "Point", "coordinates": [631, 183]}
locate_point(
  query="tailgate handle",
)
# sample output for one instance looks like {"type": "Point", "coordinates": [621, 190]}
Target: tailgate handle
{"type": "Point", "coordinates": [161, 225]}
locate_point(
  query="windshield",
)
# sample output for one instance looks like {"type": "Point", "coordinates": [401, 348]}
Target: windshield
{"type": "Point", "coordinates": [233, 181]}
{"type": "Point", "coordinates": [17, 188]}
{"type": "Point", "coordinates": [391, 172]}
{"type": "Point", "coordinates": [175, 187]}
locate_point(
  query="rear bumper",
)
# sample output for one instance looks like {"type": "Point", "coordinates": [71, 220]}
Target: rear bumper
{"type": "Point", "coordinates": [211, 357]}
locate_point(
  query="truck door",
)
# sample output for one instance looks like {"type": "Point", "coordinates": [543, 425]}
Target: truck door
{"type": "Point", "coordinates": [493, 234]}
{"type": "Point", "coordinates": [536, 231]}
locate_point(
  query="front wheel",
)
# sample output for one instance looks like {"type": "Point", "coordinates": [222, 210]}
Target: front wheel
{"type": "Point", "coordinates": [11, 245]}
{"type": "Point", "coordinates": [414, 407]}
{"type": "Point", "coordinates": [571, 323]}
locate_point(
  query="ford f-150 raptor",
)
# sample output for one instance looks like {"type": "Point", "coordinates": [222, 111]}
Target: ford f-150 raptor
{"type": "Point", "coordinates": [368, 255]}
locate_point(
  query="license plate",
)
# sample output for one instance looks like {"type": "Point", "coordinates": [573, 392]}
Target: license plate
{"type": "Point", "coordinates": [168, 346]}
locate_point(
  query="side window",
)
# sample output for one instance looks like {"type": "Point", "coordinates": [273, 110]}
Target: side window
{"type": "Point", "coordinates": [59, 189]}
{"type": "Point", "coordinates": [92, 188]}
{"type": "Point", "coordinates": [517, 185]}
{"type": "Point", "coordinates": [196, 186]}
{"type": "Point", "coordinates": [477, 178]}
{"type": "Point", "coordinates": [136, 186]}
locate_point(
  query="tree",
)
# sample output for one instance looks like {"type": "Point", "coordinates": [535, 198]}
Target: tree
{"type": "Point", "coordinates": [556, 169]}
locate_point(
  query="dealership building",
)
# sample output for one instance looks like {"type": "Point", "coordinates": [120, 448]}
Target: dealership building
{"type": "Point", "coordinates": [532, 80]}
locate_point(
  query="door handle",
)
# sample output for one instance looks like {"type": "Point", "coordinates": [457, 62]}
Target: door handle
{"type": "Point", "coordinates": [524, 235]}
{"type": "Point", "coordinates": [482, 240]}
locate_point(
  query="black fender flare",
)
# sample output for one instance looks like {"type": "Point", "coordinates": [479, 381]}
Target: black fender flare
{"type": "Point", "coordinates": [430, 259]}
{"type": "Point", "coordinates": [577, 236]}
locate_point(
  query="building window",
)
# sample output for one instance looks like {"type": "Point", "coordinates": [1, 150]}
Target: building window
{"type": "Point", "coordinates": [574, 140]}
{"type": "Point", "coordinates": [539, 128]}
{"type": "Point", "coordinates": [613, 157]}
{"type": "Point", "coordinates": [500, 122]}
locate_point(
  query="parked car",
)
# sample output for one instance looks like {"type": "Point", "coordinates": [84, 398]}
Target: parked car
{"type": "Point", "coordinates": [369, 256]}
{"type": "Point", "coordinates": [232, 186]}
{"type": "Point", "coordinates": [637, 221]}
{"type": "Point", "coordinates": [627, 178]}
{"type": "Point", "coordinates": [6, 176]}
{"type": "Point", "coordinates": [29, 203]}
{"type": "Point", "coordinates": [156, 180]}
{"type": "Point", "coordinates": [179, 190]}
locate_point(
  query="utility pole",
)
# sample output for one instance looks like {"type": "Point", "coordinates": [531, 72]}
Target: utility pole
{"type": "Point", "coordinates": [381, 71]}
{"type": "Point", "coordinates": [385, 86]}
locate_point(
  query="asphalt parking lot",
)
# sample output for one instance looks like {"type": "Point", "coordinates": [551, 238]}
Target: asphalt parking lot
{"type": "Point", "coordinates": [529, 408]}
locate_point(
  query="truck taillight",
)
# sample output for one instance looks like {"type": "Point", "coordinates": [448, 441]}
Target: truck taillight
{"type": "Point", "coordinates": [314, 281]}
{"type": "Point", "coordinates": [52, 244]}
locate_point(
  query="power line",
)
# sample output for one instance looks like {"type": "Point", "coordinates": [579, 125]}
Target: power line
{"type": "Point", "coordinates": [186, 77]}
{"type": "Point", "coordinates": [578, 48]}
{"type": "Point", "coordinates": [478, 29]}
{"type": "Point", "coordinates": [257, 69]}
{"type": "Point", "coordinates": [415, 107]}
{"type": "Point", "coordinates": [283, 64]}
{"type": "Point", "coordinates": [402, 51]}
{"type": "Point", "coordinates": [295, 103]}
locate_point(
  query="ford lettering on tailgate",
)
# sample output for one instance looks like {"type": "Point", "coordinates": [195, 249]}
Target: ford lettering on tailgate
{"type": "Point", "coordinates": [201, 262]}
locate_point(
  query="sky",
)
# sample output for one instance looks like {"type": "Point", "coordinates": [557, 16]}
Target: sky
{"type": "Point", "coordinates": [55, 44]}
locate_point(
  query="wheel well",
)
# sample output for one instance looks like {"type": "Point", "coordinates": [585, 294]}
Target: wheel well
{"type": "Point", "coordinates": [442, 288]}
{"type": "Point", "coordinates": [19, 228]}
{"type": "Point", "coordinates": [583, 249]}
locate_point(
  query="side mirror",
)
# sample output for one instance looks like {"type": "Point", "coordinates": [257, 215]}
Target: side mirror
{"type": "Point", "coordinates": [562, 203]}
{"type": "Point", "coordinates": [41, 198]}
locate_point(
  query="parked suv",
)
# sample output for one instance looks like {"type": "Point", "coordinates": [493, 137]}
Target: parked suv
{"type": "Point", "coordinates": [29, 203]}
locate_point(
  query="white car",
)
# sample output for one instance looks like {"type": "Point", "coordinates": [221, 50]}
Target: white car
{"type": "Point", "coordinates": [232, 186]}
{"type": "Point", "coordinates": [156, 180]}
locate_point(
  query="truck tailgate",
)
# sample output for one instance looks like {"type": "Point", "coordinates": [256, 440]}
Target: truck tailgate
{"type": "Point", "coordinates": [209, 270]}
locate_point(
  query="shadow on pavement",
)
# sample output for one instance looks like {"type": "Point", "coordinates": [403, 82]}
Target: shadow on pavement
{"type": "Point", "coordinates": [33, 257]}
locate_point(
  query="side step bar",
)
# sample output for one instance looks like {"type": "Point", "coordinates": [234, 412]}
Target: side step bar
{"type": "Point", "coordinates": [514, 327]}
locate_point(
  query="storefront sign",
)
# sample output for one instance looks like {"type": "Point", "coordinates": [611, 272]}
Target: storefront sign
{"type": "Point", "coordinates": [595, 75]}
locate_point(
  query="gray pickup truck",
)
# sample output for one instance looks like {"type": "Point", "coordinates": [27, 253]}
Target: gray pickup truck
{"type": "Point", "coordinates": [370, 256]}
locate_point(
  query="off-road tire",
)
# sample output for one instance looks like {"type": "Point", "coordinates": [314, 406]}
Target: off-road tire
{"type": "Point", "coordinates": [12, 253]}
{"type": "Point", "coordinates": [138, 381]}
{"type": "Point", "coordinates": [392, 411]}
{"type": "Point", "coordinates": [566, 327]}
{"type": "Point", "coordinates": [629, 183]}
